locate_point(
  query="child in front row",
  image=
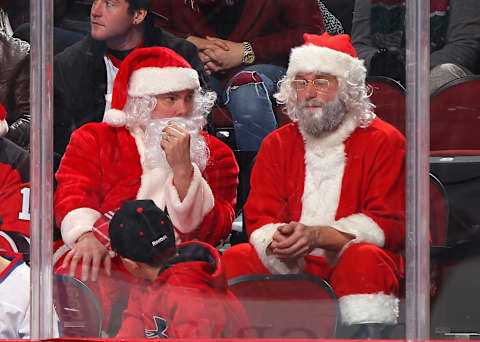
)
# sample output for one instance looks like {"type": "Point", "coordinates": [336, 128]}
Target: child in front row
{"type": "Point", "coordinates": [182, 292]}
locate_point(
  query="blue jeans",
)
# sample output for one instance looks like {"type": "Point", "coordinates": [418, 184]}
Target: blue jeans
{"type": "Point", "coordinates": [250, 103]}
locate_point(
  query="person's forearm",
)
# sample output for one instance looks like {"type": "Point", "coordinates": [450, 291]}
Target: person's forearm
{"type": "Point", "coordinates": [329, 238]}
{"type": "Point", "coordinates": [182, 179]}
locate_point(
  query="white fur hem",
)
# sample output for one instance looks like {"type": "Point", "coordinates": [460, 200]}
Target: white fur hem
{"type": "Point", "coordinates": [363, 227]}
{"type": "Point", "coordinates": [261, 239]}
{"type": "Point", "coordinates": [77, 222]}
{"type": "Point", "coordinates": [188, 214]}
{"type": "Point", "coordinates": [369, 308]}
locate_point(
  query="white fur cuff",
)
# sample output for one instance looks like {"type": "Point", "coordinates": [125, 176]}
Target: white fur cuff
{"type": "Point", "coordinates": [363, 227]}
{"type": "Point", "coordinates": [188, 214]}
{"type": "Point", "coordinates": [77, 222]}
{"type": "Point", "coordinates": [369, 308]}
{"type": "Point", "coordinates": [261, 239]}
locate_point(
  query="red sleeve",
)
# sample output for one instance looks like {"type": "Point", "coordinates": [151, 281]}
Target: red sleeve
{"type": "Point", "coordinates": [383, 183]}
{"type": "Point", "coordinates": [275, 182]}
{"type": "Point", "coordinates": [15, 201]}
{"type": "Point", "coordinates": [221, 175]}
{"type": "Point", "coordinates": [297, 18]}
{"type": "Point", "coordinates": [79, 176]}
{"type": "Point", "coordinates": [164, 8]}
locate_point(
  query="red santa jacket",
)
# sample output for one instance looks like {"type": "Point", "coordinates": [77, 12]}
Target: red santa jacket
{"type": "Point", "coordinates": [273, 27]}
{"type": "Point", "coordinates": [189, 299]}
{"type": "Point", "coordinates": [352, 179]}
{"type": "Point", "coordinates": [101, 169]}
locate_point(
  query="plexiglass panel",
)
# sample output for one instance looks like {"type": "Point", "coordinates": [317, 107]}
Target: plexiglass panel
{"type": "Point", "coordinates": [242, 189]}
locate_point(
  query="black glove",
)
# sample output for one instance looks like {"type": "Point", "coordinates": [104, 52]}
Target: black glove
{"type": "Point", "coordinates": [19, 132]}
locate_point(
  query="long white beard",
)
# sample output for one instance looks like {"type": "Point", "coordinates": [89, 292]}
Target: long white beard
{"type": "Point", "coordinates": [325, 118]}
{"type": "Point", "coordinates": [154, 154]}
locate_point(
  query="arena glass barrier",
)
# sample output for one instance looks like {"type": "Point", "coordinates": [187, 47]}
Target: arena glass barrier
{"type": "Point", "coordinates": [417, 310]}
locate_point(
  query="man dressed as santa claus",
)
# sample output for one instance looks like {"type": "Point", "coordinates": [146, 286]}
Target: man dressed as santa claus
{"type": "Point", "coordinates": [150, 146]}
{"type": "Point", "coordinates": [328, 190]}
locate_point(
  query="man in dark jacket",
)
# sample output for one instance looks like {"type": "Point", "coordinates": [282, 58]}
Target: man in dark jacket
{"type": "Point", "coordinates": [84, 72]}
{"type": "Point", "coordinates": [14, 86]}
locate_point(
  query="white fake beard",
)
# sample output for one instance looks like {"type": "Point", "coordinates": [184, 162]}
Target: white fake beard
{"type": "Point", "coordinates": [154, 154]}
{"type": "Point", "coordinates": [325, 118]}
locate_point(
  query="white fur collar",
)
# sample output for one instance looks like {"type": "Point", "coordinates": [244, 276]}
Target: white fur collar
{"type": "Point", "coordinates": [324, 166]}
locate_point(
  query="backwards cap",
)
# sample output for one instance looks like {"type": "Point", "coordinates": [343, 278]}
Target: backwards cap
{"type": "Point", "coordinates": [149, 71]}
{"type": "Point", "coordinates": [142, 232]}
{"type": "Point", "coordinates": [334, 55]}
{"type": "Point", "coordinates": [3, 122]}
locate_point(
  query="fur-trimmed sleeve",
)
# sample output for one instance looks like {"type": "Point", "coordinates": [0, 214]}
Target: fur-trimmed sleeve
{"type": "Point", "coordinates": [78, 196]}
{"type": "Point", "coordinates": [187, 215]}
{"type": "Point", "coordinates": [376, 198]}
{"type": "Point", "coordinates": [221, 176]}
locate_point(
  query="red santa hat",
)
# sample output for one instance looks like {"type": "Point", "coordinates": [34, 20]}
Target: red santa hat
{"type": "Point", "coordinates": [334, 55]}
{"type": "Point", "coordinates": [3, 122]}
{"type": "Point", "coordinates": [149, 71]}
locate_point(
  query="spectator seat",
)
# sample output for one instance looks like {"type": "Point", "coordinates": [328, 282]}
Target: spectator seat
{"type": "Point", "coordinates": [287, 306]}
{"type": "Point", "coordinates": [77, 308]}
{"type": "Point", "coordinates": [388, 96]}
{"type": "Point", "coordinates": [455, 117]}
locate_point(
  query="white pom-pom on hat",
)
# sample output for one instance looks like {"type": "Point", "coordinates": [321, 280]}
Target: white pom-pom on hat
{"type": "Point", "coordinates": [115, 117]}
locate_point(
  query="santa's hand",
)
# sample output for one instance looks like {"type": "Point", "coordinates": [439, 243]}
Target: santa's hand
{"type": "Point", "coordinates": [176, 144]}
{"type": "Point", "coordinates": [293, 241]}
{"type": "Point", "coordinates": [90, 253]}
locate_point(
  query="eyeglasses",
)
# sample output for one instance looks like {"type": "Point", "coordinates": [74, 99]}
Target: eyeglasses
{"type": "Point", "coordinates": [320, 84]}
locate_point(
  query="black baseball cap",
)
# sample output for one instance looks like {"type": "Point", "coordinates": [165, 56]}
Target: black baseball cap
{"type": "Point", "coordinates": [142, 232]}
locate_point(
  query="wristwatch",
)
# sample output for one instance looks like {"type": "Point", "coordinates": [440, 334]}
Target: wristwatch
{"type": "Point", "coordinates": [248, 55]}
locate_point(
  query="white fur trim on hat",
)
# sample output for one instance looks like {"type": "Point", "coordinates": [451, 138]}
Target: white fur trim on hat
{"type": "Point", "coordinates": [369, 308]}
{"type": "Point", "coordinates": [3, 128]}
{"type": "Point", "coordinates": [153, 81]}
{"type": "Point", "coordinates": [77, 222]}
{"type": "Point", "coordinates": [115, 117]}
{"type": "Point", "coordinates": [312, 58]}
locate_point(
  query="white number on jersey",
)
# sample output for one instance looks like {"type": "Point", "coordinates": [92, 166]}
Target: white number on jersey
{"type": "Point", "coordinates": [25, 213]}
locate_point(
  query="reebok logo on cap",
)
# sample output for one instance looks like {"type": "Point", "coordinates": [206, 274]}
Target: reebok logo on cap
{"type": "Point", "coordinates": [161, 239]}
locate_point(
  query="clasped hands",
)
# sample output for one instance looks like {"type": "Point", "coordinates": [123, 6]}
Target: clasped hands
{"type": "Point", "coordinates": [292, 241]}
{"type": "Point", "coordinates": [295, 240]}
{"type": "Point", "coordinates": [218, 54]}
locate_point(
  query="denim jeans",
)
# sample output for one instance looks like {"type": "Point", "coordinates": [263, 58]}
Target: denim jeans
{"type": "Point", "coordinates": [250, 103]}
